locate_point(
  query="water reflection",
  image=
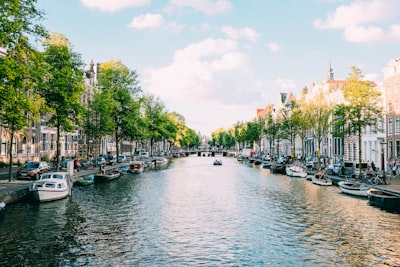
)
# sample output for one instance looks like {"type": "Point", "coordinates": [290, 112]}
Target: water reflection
{"type": "Point", "coordinates": [194, 213]}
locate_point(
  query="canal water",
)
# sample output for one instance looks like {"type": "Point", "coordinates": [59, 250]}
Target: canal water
{"type": "Point", "coordinates": [196, 214]}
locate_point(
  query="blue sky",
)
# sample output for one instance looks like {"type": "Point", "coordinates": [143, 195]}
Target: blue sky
{"type": "Point", "coordinates": [216, 61]}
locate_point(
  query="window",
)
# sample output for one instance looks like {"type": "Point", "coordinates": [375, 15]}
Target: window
{"type": "Point", "coordinates": [52, 141]}
{"type": "Point", "coordinates": [44, 142]}
{"type": "Point", "coordinates": [390, 126]}
{"type": "Point", "coordinates": [397, 125]}
{"type": "Point", "coordinates": [397, 152]}
{"type": "Point", "coordinates": [3, 148]}
{"type": "Point", "coordinates": [33, 144]}
{"type": "Point", "coordinates": [66, 143]}
{"type": "Point", "coordinates": [24, 151]}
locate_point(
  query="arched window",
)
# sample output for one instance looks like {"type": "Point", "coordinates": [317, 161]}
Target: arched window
{"type": "Point", "coordinates": [23, 148]}
{"type": "Point", "coordinates": [33, 146]}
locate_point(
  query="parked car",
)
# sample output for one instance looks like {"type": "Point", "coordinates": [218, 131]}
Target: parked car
{"type": "Point", "coordinates": [110, 159]}
{"type": "Point", "coordinates": [144, 154]}
{"type": "Point", "coordinates": [122, 158]}
{"type": "Point", "coordinates": [100, 161]}
{"type": "Point", "coordinates": [33, 169]}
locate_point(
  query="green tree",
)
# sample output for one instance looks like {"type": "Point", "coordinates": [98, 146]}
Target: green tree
{"type": "Point", "coordinates": [363, 106]}
{"type": "Point", "coordinates": [21, 72]}
{"type": "Point", "coordinates": [120, 93]}
{"type": "Point", "coordinates": [319, 112]}
{"type": "Point", "coordinates": [63, 90]}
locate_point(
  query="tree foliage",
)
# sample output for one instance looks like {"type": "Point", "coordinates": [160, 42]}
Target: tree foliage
{"type": "Point", "coordinates": [21, 72]}
{"type": "Point", "coordinates": [362, 107]}
{"type": "Point", "coordinates": [63, 89]}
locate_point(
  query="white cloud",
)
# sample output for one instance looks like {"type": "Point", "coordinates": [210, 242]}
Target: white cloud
{"type": "Point", "coordinates": [273, 47]}
{"type": "Point", "coordinates": [148, 20]}
{"type": "Point", "coordinates": [247, 33]}
{"type": "Point", "coordinates": [285, 83]}
{"type": "Point", "coordinates": [209, 7]}
{"type": "Point", "coordinates": [114, 5]}
{"type": "Point", "coordinates": [196, 71]}
{"type": "Point", "coordinates": [359, 21]}
{"type": "Point", "coordinates": [360, 12]}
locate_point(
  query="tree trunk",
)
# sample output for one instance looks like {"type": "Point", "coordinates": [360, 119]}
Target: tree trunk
{"type": "Point", "coordinates": [10, 157]}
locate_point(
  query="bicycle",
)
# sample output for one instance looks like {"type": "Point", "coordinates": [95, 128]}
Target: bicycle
{"type": "Point", "coordinates": [374, 178]}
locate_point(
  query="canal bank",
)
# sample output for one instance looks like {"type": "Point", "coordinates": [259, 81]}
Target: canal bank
{"type": "Point", "coordinates": [16, 190]}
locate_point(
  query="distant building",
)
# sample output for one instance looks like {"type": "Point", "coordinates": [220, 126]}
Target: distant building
{"type": "Point", "coordinates": [391, 86]}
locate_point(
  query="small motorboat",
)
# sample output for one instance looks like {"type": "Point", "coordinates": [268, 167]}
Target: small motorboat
{"type": "Point", "coordinates": [2, 206]}
{"type": "Point", "coordinates": [296, 171]}
{"type": "Point", "coordinates": [354, 188]}
{"type": "Point", "coordinates": [124, 169]}
{"type": "Point", "coordinates": [52, 186]}
{"type": "Point", "coordinates": [107, 176]}
{"type": "Point", "coordinates": [217, 162]}
{"type": "Point", "coordinates": [88, 180]}
{"type": "Point", "coordinates": [384, 199]}
{"type": "Point", "coordinates": [136, 168]}
{"type": "Point", "coordinates": [321, 179]}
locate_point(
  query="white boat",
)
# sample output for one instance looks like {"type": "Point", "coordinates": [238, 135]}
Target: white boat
{"type": "Point", "coordinates": [217, 162]}
{"type": "Point", "coordinates": [354, 188]}
{"type": "Point", "coordinates": [296, 171]}
{"type": "Point", "coordinates": [52, 186]}
{"type": "Point", "coordinates": [321, 179]}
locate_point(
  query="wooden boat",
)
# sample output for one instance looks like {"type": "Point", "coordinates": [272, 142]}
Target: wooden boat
{"type": "Point", "coordinates": [105, 177]}
{"type": "Point", "coordinates": [321, 179]}
{"type": "Point", "coordinates": [52, 186]}
{"type": "Point", "coordinates": [85, 180]}
{"type": "Point", "coordinates": [136, 168]}
{"type": "Point", "coordinates": [295, 171]}
{"type": "Point", "coordinates": [384, 199]}
{"type": "Point", "coordinates": [278, 168]}
{"type": "Point", "coordinates": [354, 188]}
{"type": "Point", "coordinates": [217, 162]}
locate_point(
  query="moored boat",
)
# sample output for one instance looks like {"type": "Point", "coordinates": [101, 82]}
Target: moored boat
{"type": "Point", "coordinates": [384, 199]}
{"type": "Point", "coordinates": [278, 168]}
{"type": "Point", "coordinates": [124, 169]}
{"type": "Point", "coordinates": [107, 176]}
{"type": "Point", "coordinates": [2, 206]}
{"type": "Point", "coordinates": [321, 179]}
{"type": "Point", "coordinates": [295, 171]}
{"type": "Point", "coordinates": [88, 180]}
{"type": "Point", "coordinates": [217, 162]}
{"type": "Point", "coordinates": [136, 168]}
{"type": "Point", "coordinates": [354, 188]}
{"type": "Point", "coordinates": [52, 186]}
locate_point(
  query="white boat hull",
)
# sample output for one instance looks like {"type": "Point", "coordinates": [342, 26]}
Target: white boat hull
{"type": "Point", "coordinates": [321, 179]}
{"type": "Point", "coordinates": [355, 189]}
{"type": "Point", "coordinates": [48, 195]}
{"type": "Point", "coordinates": [296, 171]}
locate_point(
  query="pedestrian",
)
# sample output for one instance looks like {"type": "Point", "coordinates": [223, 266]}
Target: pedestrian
{"type": "Point", "coordinates": [76, 165]}
{"type": "Point", "coordinates": [373, 166]}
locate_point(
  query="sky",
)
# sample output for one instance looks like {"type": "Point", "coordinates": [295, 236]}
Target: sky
{"type": "Point", "coordinates": [216, 62]}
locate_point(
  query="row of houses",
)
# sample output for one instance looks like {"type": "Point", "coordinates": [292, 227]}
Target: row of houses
{"type": "Point", "coordinates": [38, 141]}
{"type": "Point", "coordinates": [380, 147]}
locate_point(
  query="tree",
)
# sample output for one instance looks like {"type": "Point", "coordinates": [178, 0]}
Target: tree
{"type": "Point", "coordinates": [119, 85]}
{"type": "Point", "coordinates": [362, 106]}
{"type": "Point", "coordinates": [319, 112]}
{"type": "Point", "coordinates": [21, 72]}
{"type": "Point", "coordinates": [64, 88]}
